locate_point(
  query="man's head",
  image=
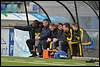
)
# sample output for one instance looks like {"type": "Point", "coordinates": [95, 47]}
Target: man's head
{"type": "Point", "coordinates": [52, 27]}
{"type": "Point", "coordinates": [74, 26]}
{"type": "Point", "coordinates": [46, 22]}
{"type": "Point", "coordinates": [60, 26]}
{"type": "Point", "coordinates": [40, 24]}
{"type": "Point", "coordinates": [35, 23]}
{"type": "Point", "coordinates": [66, 27]}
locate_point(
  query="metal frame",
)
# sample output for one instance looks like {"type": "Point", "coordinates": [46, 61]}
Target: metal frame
{"type": "Point", "coordinates": [67, 10]}
{"type": "Point", "coordinates": [27, 16]}
{"type": "Point", "coordinates": [43, 10]}
{"type": "Point", "coordinates": [92, 9]}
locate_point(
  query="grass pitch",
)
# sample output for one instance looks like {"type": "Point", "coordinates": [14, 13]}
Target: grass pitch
{"type": "Point", "coordinates": [31, 61]}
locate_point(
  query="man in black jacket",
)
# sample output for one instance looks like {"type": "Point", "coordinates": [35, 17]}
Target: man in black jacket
{"type": "Point", "coordinates": [31, 28]}
{"type": "Point", "coordinates": [52, 39]}
{"type": "Point", "coordinates": [60, 31]}
{"type": "Point", "coordinates": [45, 33]}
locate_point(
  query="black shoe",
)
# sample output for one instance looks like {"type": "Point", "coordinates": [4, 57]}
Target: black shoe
{"type": "Point", "coordinates": [33, 55]}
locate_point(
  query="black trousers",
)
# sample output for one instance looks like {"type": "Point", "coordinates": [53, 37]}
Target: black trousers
{"type": "Point", "coordinates": [42, 46]}
{"type": "Point", "coordinates": [31, 45]}
{"type": "Point", "coordinates": [63, 45]}
{"type": "Point", "coordinates": [75, 50]}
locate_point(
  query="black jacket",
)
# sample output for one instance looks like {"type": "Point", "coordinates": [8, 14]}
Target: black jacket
{"type": "Point", "coordinates": [59, 34]}
{"type": "Point", "coordinates": [64, 36]}
{"type": "Point", "coordinates": [54, 34]}
{"type": "Point", "coordinates": [29, 28]}
{"type": "Point", "coordinates": [45, 33]}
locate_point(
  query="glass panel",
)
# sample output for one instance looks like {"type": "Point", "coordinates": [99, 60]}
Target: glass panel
{"type": "Point", "coordinates": [87, 17]}
{"type": "Point", "coordinates": [56, 12]}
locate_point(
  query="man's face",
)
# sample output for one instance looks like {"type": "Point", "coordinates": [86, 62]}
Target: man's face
{"type": "Point", "coordinates": [60, 27]}
{"type": "Point", "coordinates": [74, 27]}
{"type": "Point", "coordinates": [45, 23]}
{"type": "Point", "coordinates": [34, 24]}
{"type": "Point", "coordinates": [51, 28]}
{"type": "Point", "coordinates": [65, 28]}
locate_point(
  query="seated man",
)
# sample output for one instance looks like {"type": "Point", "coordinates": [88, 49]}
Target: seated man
{"type": "Point", "coordinates": [53, 36]}
{"type": "Point", "coordinates": [37, 34]}
{"type": "Point", "coordinates": [60, 31]}
{"type": "Point", "coordinates": [45, 33]}
{"type": "Point", "coordinates": [65, 37]}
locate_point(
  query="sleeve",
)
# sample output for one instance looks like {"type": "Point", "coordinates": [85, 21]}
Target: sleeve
{"type": "Point", "coordinates": [86, 39]}
{"type": "Point", "coordinates": [86, 36]}
{"type": "Point", "coordinates": [24, 28]}
{"type": "Point", "coordinates": [56, 34]}
{"type": "Point", "coordinates": [70, 38]}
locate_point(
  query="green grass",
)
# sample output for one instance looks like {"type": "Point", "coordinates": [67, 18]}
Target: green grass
{"type": "Point", "coordinates": [31, 61]}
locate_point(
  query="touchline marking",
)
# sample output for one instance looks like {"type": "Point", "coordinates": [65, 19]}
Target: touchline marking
{"type": "Point", "coordinates": [40, 63]}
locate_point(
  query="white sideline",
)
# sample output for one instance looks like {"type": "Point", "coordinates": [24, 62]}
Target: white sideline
{"type": "Point", "coordinates": [46, 63]}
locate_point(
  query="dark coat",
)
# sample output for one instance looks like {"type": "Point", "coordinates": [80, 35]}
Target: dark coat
{"type": "Point", "coordinates": [45, 33]}
{"type": "Point", "coordinates": [53, 34]}
{"type": "Point", "coordinates": [59, 34]}
{"type": "Point", "coordinates": [64, 35]}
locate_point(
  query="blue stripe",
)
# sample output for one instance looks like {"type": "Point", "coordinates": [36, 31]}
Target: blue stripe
{"type": "Point", "coordinates": [53, 18]}
{"type": "Point", "coordinates": [11, 41]}
{"type": "Point", "coordinates": [17, 16]}
{"type": "Point", "coordinates": [40, 17]}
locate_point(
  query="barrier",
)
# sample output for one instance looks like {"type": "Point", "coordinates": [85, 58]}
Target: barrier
{"type": "Point", "coordinates": [4, 42]}
{"type": "Point", "coordinates": [13, 42]}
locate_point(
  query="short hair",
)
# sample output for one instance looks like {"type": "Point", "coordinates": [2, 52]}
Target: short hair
{"type": "Point", "coordinates": [60, 24]}
{"type": "Point", "coordinates": [52, 24]}
{"type": "Point", "coordinates": [67, 25]}
{"type": "Point", "coordinates": [36, 22]}
{"type": "Point", "coordinates": [75, 24]}
{"type": "Point", "coordinates": [47, 20]}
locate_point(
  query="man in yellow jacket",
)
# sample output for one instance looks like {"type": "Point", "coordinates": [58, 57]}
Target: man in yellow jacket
{"type": "Point", "coordinates": [77, 36]}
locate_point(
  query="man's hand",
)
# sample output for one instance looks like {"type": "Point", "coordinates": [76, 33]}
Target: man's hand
{"type": "Point", "coordinates": [49, 39]}
{"type": "Point", "coordinates": [55, 39]}
{"type": "Point", "coordinates": [69, 42]}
